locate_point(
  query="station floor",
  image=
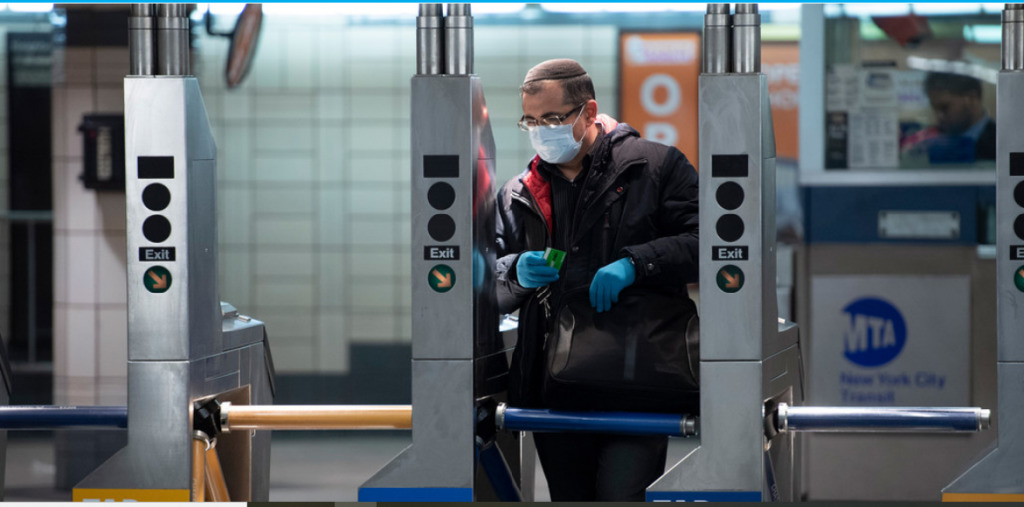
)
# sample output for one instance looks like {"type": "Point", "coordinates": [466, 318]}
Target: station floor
{"type": "Point", "coordinates": [303, 468]}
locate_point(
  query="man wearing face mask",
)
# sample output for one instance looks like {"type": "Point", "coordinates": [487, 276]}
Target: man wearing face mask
{"type": "Point", "coordinates": [624, 210]}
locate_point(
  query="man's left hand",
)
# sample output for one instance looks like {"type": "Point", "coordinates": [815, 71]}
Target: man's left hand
{"type": "Point", "coordinates": [609, 281]}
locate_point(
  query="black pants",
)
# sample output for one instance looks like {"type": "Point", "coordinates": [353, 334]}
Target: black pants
{"type": "Point", "coordinates": [584, 467]}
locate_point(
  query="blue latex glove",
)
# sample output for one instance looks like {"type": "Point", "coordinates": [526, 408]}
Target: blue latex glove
{"type": "Point", "coordinates": [609, 282]}
{"type": "Point", "coordinates": [533, 270]}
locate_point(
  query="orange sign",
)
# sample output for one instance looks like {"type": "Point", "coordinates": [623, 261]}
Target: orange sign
{"type": "Point", "coordinates": [780, 62]}
{"type": "Point", "coordinates": [130, 495]}
{"type": "Point", "coordinates": [658, 87]}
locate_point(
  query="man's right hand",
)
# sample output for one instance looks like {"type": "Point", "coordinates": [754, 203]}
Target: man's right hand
{"type": "Point", "coordinates": [533, 271]}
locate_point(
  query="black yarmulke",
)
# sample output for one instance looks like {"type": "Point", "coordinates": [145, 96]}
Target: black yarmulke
{"type": "Point", "coordinates": [562, 68]}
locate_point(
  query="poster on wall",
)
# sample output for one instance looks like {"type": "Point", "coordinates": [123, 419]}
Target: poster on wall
{"type": "Point", "coordinates": [780, 62]}
{"type": "Point", "coordinates": [890, 341]}
{"type": "Point", "coordinates": [658, 74]}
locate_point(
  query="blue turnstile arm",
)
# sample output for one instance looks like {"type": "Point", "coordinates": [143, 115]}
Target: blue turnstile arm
{"type": "Point", "coordinates": [627, 423]}
{"type": "Point", "coordinates": [54, 417]}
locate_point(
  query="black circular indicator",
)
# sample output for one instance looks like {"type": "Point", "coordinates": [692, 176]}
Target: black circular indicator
{"type": "Point", "coordinates": [156, 197]}
{"type": "Point", "coordinates": [156, 228]}
{"type": "Point", "coordinates": [441, 227]}
{"type": "Point", "coordinates": [1018, 226]}
{"type": "Point", "coordinates": [441, 196]}
{"type": "Point", "coordinates": [1018, 194]}
{"type": "Point", "coordinates": [729, 227]}
{"type": "Point", "coordinates": [729, 195]}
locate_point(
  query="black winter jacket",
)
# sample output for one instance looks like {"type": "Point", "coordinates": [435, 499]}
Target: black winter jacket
{"type": "Point", "coordinates": [640, 199]}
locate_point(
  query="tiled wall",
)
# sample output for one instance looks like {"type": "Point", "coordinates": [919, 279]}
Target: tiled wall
{"type": "Point", "coordinates": [314, 169]}
{"type": "Point", "coordinates": [90, 309]}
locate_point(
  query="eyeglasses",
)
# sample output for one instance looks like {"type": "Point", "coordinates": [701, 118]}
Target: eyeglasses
{"type": "Point", "coordinates": [550, 121]}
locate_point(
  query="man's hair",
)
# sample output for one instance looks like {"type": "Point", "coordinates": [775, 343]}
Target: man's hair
{"type": "Point", "coordinates": [957, 84]}
{"type": "Point", "coordinates": [577, 87]}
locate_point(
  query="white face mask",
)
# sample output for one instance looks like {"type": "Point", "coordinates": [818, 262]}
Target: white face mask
{"type": "Point", "coordinates": [556, 145]}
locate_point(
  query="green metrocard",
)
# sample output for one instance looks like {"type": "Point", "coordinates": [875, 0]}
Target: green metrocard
{"type": "Point", "coordinates": [554, 257]}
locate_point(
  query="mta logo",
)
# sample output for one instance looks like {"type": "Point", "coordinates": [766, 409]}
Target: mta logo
{"type": "Point", "coordinates": [877, 332]}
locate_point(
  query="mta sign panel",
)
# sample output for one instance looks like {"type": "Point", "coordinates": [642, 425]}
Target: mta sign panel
{"type": "Point", "coordinates": [890, 341]}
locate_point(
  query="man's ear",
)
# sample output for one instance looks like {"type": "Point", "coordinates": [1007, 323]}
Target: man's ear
{"type": "Point", "coordinates": [590, 111]}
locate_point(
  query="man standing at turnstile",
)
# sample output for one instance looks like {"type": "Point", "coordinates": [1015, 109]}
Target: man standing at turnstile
{"type": "Point", "coordinates": [623, 213]}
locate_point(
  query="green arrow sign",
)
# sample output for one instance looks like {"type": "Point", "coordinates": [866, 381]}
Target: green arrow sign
{"type": "Point", "coordinates": [730, 279]}
{"type": "Point", "coordinates": [1018, 278]}
{"type": "Point", "coordinates": [441, 278]}
{"type": "Point", "coordinates": [157, 279]}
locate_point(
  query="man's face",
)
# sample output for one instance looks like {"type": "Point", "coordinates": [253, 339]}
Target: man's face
{"type": "Point", "coordinates": [954, 113]}
{"type": "Point", "coordinates": [548, 102]}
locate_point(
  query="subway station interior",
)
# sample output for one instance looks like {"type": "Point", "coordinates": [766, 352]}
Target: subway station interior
{"type": "Point", "coordinates": [261, 252]}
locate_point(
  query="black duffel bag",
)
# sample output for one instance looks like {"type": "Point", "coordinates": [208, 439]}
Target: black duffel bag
{"type": "Point", "coordinates": [642, 355]}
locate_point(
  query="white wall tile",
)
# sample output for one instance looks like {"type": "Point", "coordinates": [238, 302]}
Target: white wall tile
{"type": "Point", "coordinates": [81, 268]}
{"type": "Point", "coordinates": [78, 102]}
{"type": "Point", "coordinates": [113, 341]}
{"type": "Point", "coordinates": [59, 120]}
{"type": "Point", "coordinates": [269, 263]}
{"type": "Point", "coordinates": [267, 64]}
{"type": "Point", "coordinates": [333, 350]}
{"type": "Point", "coordinates": [498, 41]}
{"type": "Point", "coordinates": [285, 231]}
{"type": "Point", "coordinates": [372, 43]}
{"type": "Point", "coordinates": [235, 215]}
{"type": "Point", "coordinates": [235, 275]}
{"type": "Point", "coordinates": [60, 336]}
{"type": "Point", "coordinates": [83, 214]}
{"type": "Point", "coordinates": [294, 326]}
{"type": "Point", "coordinates": [553, 41]}
{"type": "Point", "coordinates": [110, 99]}
{"type": "Point", "coordinates": [331, 218]}
{"type": "Point", "coordinates": [111, 207]}
{"type": "Point", "coordinates": [291, 357]}
{"type": "Point", "coordinates": [236, 105]}
{"type": "Point", "coordinates": [234, 155]}
{"type": "Point", "coordinates": [330, 105]}
{"type": "Point", "coordinates": [299, 66]}
{"type": "Point", "coordinates": [331, 153]}
{"type": "Point", "coordinates": [331, 58]}
{"type": "Point", "coordinates": [60, 270]}
{"type": "Point", "coordinates": [81, 342]}
{"type": "Point", "coordinates": [367, 327]}
{"type": "Point", "coordinates": [331, 279]}
{"type": "Point", "coordinates": [291, 295]}
{"type": "Point", "coordinates": [374, 106]}
{"type": "Point", "coordinates": [283, 106]}
{"type": "Point", "coordinates": [79, 66]}
{"type": "Point", "coordinates": [284, 168]}
{"type": "Point", "coordinates": [373, 199]}
{"type": "Point", "coordinates": [375, 232]}
{"type": "Point", "coordinates": [376, 75]}
{"type": "Point", "coordinates": [111, 270]}
{"type": "Point", "coordinates": [278, 199]}
{"type": "Point", "coordinates": [375, 136]}
{"type": "Point", "coordinates": [288, 138]}
{"type": "Point", "coordinates": [603, 41]}
{"type": "Point", "coordinates": [367, 167]}
{"type": "Point", "coordinates": [370, 263]}
{"type": "Point", "coordinates": [370, 296]}
{"type": "Point", "coordinates": [404, 328]}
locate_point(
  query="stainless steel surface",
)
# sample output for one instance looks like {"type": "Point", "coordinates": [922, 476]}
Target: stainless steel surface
{"type": "Point", "coordinates": [717, 40]}
{"type": "Point", "coordinates": [880, 419]}
{"type": "Point", "coordinates": [749, 358]}
{"type": "Point", "coordinates": [458, 40]}
{"type": "Point", "coordinates": [430, 40]}
{"type": "Point", "coordinates": [183, 344]}
{"type": "Point", "coordinates": [998, 472]}
{"type": "Point", "coordinates": [746, 39]}
{"type": "Point", "coordinates": [455, 331]}
{"type": "Point", "coordinates": [172, 35]}
{"type": "Point", "coordinates": [167, 117]}
{"type": "Point", "coordinates": [731, 119]}
{"type": "Point", "coordinates": [140, 40]}
{"type": "Point", "coordinates": [1013, 37]}
{"type": "Point", "coordinates": [442, 452]}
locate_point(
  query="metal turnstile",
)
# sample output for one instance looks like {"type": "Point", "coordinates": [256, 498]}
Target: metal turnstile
{"type": "Point", "coordinates": [750, 360]}
{"type": "Point", "coordinates": [997, 475]}
{"type": "Point", "coordinates": [183, 343]}
{"type": "Point", "coordinates": [458, 358]}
